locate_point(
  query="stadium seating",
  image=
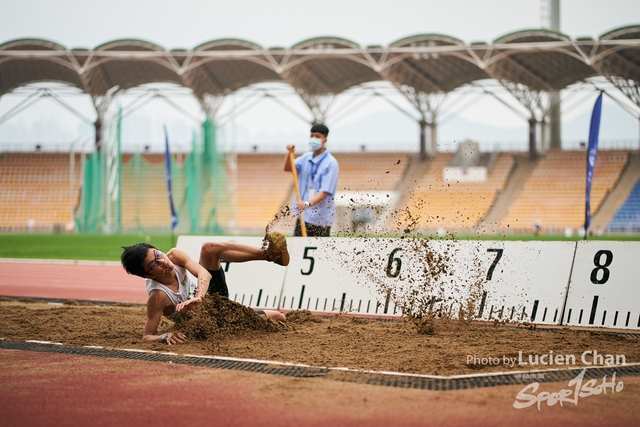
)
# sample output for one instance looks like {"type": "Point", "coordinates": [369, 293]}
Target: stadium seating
{"type": "Point", "coordinates": [36, 192]}
{"type": "Point", "coordinates": [627, 218]}
{"type": "Point", "coordinates": [554, 195]}
{"type": "Point", "coordinates": [370, 171]}
{"type": "Point", "coordinates": [452, 206]}
{"type": "Point", "coordinates": [262, 189]}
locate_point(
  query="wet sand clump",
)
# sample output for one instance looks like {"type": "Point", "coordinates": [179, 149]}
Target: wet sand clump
{"type": "Point", "coordinates": [218, 317]}
{"type": "Point", "coordinates": [303, 316]}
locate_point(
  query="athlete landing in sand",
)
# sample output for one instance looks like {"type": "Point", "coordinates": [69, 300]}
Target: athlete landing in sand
{"type": "Point", "coordinates": [176, 283]}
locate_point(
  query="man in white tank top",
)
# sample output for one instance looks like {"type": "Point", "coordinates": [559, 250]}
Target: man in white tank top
{"type": "Point", "coordinates": [177, 283]}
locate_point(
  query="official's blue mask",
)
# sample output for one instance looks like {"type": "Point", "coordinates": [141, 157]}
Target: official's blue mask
{"type": "Point", "coordinates": [315, 143]}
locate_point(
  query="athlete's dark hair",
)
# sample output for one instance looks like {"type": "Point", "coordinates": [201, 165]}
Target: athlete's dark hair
{"type": "Point", "coordinates": [133, 256]}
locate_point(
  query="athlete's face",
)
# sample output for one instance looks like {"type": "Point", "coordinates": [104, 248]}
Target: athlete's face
{"type": "Point", "coordinates": [156, 262]}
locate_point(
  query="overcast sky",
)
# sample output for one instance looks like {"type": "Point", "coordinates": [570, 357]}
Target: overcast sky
{"type": "Point", "coordinates": [188, 23]}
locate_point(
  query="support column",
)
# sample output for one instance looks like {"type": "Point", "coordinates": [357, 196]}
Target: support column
{"type": "Point", "coordinates": [554, 15]}
{"type": "Point", "coordinates": [97, 175]}
{"type": "Point", "coordinates": [102, 103]}
{"type": "Point", "coordinates": [555, 117]}
{"type": "Point", "coordinates": [555, 124]}
{"type": "Point", "coordinates": [532, 139]}
{"type": "Point", "coordinates": [434, 137]}
{"type": "Point", "coordinates": [544, 136]}
{"type": "Point", "coordinates": [113, 166]}
{"type": "Point", "coordinates": [97, 125]}
{"type": "Point", "coordinates": [423, 139]}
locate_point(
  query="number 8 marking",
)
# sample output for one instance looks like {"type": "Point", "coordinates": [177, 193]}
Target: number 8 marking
{"type": "Point", "coordinates": [608, 259]}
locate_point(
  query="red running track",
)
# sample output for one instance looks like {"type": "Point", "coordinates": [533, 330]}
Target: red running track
{"type": "Point", "coordinates": [78, 280]}
{"type": "Point", "coordinates": [44, 389]}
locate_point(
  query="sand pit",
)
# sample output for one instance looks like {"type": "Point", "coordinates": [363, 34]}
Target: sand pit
{"type": "Point", "coordinates": [224, 328]}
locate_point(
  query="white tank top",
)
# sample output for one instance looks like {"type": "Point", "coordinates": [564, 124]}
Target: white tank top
{"type": "Point", "coordinates": [186, 290]}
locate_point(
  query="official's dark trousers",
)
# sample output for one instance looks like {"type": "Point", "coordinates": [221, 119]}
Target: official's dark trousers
{"type": "Point", "coordinates": [312, 230]}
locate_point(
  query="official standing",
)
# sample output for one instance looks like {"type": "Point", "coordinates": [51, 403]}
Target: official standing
{"type": "Point", "coordinates": [317, 173]}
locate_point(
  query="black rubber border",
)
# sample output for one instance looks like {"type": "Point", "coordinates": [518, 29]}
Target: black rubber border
{"type": "Point", "coordinates": [372, 378]}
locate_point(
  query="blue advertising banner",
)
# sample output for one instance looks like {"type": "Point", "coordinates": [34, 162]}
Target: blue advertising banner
{"type": "Point", "coordinates": [167, 160]}
{"type": "Point", "coordinates": [594, 131]}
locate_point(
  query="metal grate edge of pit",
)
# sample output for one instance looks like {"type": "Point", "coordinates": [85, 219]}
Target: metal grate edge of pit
{"type": "Point", "coordinates": [424, 382]}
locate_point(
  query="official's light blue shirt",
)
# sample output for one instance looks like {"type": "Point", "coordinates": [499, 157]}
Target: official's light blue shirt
{"type": "Point", "coordinates": [317, 174]}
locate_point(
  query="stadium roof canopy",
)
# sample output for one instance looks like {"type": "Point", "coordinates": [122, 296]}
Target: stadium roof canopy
{"type": "Point", "coordinates": [531, 64]}
{"type": "Point", "coordinates": [539, 60]}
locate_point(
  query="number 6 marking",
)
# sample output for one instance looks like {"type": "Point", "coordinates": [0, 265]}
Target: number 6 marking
{"type": "Point", "coordinates": [398, 262]}
{"type": "Point", "coordinates": [495, 261]}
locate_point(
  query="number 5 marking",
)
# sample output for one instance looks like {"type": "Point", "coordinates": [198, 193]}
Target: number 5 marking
{"type": "Point", "coordinates": [312, 261]}
{"type": "Point", "coordinates": [495, 261]}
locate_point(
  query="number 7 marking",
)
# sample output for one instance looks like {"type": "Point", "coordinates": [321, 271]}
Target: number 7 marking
{"type": "Point", "coordinates": [495, 261]}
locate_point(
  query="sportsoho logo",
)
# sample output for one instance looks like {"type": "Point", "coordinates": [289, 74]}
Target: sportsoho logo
{"type": "Point", "coordinates": [577, 389]}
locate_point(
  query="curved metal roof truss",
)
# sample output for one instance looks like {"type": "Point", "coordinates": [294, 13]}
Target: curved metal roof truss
{"type": "Point", "coordinates": [529, 61]}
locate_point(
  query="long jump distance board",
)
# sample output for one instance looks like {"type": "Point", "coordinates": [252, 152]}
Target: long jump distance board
{"type": "Point", "coordinates": [494, 280]}
{"type": "Point", "coordinates": [604, 290]}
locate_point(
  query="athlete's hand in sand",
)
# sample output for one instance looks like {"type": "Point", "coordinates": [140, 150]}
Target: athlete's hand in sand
{"type": "Point", "coordinates": [175, 338]}
{"type": "Point", "coordinates": [190, 304]}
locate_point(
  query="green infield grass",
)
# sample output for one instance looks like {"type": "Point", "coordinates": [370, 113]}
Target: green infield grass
{"type": "Point", "coordinates": [75, 246]}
